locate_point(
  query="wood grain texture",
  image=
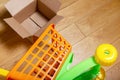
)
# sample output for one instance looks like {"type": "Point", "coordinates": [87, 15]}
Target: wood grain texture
{"type": "Point", "coordinates": [77, 11]}
{"type": "Point", "coordinates": [66, 3]}
{"type": "Point", "coordinates": [108, 14]}
{"type": "Point", "coordinates": [86, 24]}
{"type": "Point", "coordinates": [72, 33]}
{"type": "Point", "coordinates": [2, 8]}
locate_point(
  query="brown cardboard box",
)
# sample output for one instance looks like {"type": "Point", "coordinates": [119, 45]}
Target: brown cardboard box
{"type": "Point", "coordinates": [31, 17]}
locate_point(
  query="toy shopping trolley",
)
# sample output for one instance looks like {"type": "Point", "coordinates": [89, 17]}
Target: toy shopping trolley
{"type": "Point", "coordinates": [50, 56]}
{"type": "Point", "coordinates": [44, 59]}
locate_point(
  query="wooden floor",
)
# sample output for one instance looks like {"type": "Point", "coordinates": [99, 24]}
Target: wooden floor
{"type": "Point", "coordinates": [86, 24]}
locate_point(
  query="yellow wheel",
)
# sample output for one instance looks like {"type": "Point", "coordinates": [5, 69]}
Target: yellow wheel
{"type": "Point", "coordinates": [106, 54]}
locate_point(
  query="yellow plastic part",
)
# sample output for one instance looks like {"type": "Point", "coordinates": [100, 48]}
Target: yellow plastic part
{"type": "Point", "coordinates": [106, 54]}
{"type": "Point", "coordinates": [101, 75]}
{"type": "Point", "coordinates": [44, 59]}
{"type": "Point", "coordinates": [3, 73]}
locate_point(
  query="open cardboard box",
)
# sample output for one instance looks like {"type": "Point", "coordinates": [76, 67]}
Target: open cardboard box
{"type": "Point", "coordinates": [31, 17]}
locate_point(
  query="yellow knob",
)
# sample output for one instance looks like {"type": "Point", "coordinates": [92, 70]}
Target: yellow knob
{"type": "Point", "coordinates": [106, 54]}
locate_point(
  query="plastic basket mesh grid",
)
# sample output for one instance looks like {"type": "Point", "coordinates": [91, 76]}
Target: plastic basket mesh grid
{"type": "Point", "coordinates": [44, 59]}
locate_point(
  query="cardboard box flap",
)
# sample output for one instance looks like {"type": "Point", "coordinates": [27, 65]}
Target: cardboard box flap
{"type": "Point", "coordinates": [54, 5]}
{"type": "Point", "coordinates": [21, 9]}
{"type": "Point", "coordinates": [15, 6]}
{"type": "Point", "coordinates": [39, 19]}
{"type": "Point", "coordinates": [30, 26]}
{"type": "Point", "coordinates": [17, 27]}
{"type": "Point", "coordinates": [45, 10]}
{"type": "Point", "coordinates": [55, 20]}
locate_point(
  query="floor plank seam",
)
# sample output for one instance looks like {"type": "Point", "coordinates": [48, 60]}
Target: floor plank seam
{"type": "Point", "coordinates": [93, 10]}
{"type": "Point", "coordinates": [88, 13]}
{"type": "Point", "coordinates": [80, 30]}
{"type": "Point", "coordinates": [69, 4]}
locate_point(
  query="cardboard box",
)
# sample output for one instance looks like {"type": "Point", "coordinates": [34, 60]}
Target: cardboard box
{"type": "Point", "coordinates": [31, 17]}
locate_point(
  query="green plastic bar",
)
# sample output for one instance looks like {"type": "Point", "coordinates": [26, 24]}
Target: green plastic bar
{"type": "Point", "coordinates": [90, 74]}
{"type": "Point", "coordinates": [66, 65]}
{"type": "Point", "coordinates": [79, 69]}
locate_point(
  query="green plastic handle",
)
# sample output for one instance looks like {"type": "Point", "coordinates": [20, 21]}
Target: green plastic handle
{"type": "Point", "coordinates": [85, 68]}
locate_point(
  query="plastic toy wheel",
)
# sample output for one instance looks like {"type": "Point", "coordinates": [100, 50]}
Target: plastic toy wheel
{"type": "Point", "coordinates": [106, 54]}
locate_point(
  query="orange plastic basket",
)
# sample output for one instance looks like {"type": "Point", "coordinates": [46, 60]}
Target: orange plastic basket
{"type": "Point", "coordinates": [44, 59]}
